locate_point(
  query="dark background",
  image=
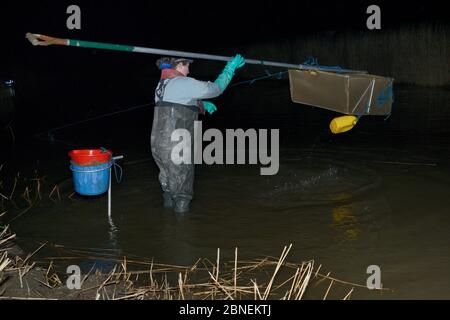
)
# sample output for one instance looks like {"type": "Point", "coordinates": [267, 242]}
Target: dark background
{"type": "Point", "coordinates": [59, 85]}
{"type": "Point", "coordinates": [56, 86]}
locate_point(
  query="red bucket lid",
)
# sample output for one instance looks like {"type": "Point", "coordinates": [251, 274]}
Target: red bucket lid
{"type": "Point", "coordinates": [90, 156]}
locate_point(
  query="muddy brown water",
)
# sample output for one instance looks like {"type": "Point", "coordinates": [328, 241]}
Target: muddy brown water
{"type": "Point", "coordinates": [378, 195]}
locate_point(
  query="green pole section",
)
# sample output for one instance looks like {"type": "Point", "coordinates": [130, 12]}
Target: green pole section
{"type": "Point", "coordinates": [100, 45]}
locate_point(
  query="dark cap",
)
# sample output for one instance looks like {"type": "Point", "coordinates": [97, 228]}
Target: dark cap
{"type": "Point", "coordinates": [170, 63]}
{"type": "Point", "coordinates": [176, 61]}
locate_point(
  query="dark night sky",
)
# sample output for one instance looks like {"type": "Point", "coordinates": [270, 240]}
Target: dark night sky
{"type": "Point", "coordinates": [205, 23]}
{"type": "Point", "coordinates": [201, 24]}
{"type": "Point", "coordinates": [198, 26]}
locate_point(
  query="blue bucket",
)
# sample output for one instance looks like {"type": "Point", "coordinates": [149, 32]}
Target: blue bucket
{"type": "Point", "coordinates": [91, 180]}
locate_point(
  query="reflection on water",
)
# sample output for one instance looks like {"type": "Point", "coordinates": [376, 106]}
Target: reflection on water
{"type": "Point", "coordinates": [345, 222]}
{"type": "Point", "coordinates": [112, 232]}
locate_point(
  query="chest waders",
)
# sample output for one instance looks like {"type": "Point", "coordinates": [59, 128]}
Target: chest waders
{"type": "Point", "coordinates": [177, 180]}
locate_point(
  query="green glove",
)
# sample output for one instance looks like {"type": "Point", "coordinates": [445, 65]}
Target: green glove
{"type": "Point", "coordinates": [227, 74]}
{"type": "Point", "coordinates": [209, 106]}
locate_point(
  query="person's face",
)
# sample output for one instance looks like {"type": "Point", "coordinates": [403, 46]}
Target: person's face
{"type": "Point", "coordinates": [183, 68]}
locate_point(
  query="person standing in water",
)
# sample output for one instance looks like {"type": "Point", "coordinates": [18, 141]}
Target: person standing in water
{"type": "Point", "coordinates": [178, 100]}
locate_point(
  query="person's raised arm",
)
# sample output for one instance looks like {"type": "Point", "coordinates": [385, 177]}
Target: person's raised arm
{"type": "Point", "coordinates": [227, 74]}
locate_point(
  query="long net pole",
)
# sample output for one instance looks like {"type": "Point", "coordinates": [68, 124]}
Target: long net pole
{"type": "Point", "coordinates": [42, 40]}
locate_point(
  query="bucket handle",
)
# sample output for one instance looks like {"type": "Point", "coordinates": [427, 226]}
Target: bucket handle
{"type": "Point", "coordinates": [117, 168]}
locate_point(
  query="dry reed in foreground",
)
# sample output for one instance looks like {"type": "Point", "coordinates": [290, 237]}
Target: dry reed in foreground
{"type": "Point", "coordinates": [138, 279]}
